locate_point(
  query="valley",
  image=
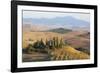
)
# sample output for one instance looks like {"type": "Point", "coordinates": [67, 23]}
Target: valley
{"type": "Point", "coordinates": [76, 45]}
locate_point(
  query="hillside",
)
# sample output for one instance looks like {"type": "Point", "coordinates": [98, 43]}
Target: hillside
{"type": "Point", "coordinates": [59, 30]}
{"type": "Point", "coordinates": [77, 39]}
{"type": "Point", "coordinates": [68, 53]}
{"type": "Point", "coordinates": [78, 46]}
{"type": "Point", "coordinates": [65, 53]}
{"type": "Point", "coordinates": [72, 37]}
{"type": "Point", "coordinates": [66, 21]}
{"type": "Point", "coordinates": [31, 37]}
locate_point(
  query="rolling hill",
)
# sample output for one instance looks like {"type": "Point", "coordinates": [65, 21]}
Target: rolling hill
{"type": "Point", "coordinates": [73, 38]}
{"type": "Point", "coordinates": [59, 30]}
{"type": "Point", "coordinates": [68, 53]}
{"type": "Point", "coordinates": [72, 51]}
{"type": "Point", "coordinates": [66, 20]}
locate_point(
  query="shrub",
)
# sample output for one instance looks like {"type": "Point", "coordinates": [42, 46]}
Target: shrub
{"type": "Point", "coordinates": [39, 45]}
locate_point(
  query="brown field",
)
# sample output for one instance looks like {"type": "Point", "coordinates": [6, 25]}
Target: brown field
{"type": "Point", "coordinates": [73, 38]}
{"type": "Point", "coordinates": [68, 52]}
{"type": "Point", "coordinates": [76, 40]}
{"type": "Point", "coordinates": [31, 37]}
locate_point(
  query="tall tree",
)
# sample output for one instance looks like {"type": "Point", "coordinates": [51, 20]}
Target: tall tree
{"type": "Point", "coordinates": [57, 42]}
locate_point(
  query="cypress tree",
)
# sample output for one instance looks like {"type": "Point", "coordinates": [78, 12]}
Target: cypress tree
{"type": "Point", "coordinates": [57, 42]}
{"type": "Point", "coordinates": [53, 42]}
{"type": "Point", "coordinates": [46, 42]}
{"type": "Point", "coordinates": [36, 44]}
{"type": "Point", "coordinates": [61, 43]}
{"type": "Point", "coordinates": [41, 45]}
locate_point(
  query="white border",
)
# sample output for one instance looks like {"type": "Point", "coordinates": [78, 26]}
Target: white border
{"type": "Point", "coordinates": [53, 63]}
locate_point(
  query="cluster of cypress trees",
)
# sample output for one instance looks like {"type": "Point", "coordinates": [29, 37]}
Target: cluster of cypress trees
{"type": "Point", "coordinates": [53, 43]}
{"type": "Point", "coordinates": [40, 45]}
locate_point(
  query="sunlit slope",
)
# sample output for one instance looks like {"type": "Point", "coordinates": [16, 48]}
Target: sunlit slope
{"type": "Point", "coordinates": [68, 53]}
{"type": "Point", "coordinates": [73, 38]}
{"type": "Point", "coordinates": [31, 37]}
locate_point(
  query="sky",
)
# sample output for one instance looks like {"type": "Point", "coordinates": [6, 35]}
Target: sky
{"type": "Point", "coordinates": [39, 14]}
{"type": "Point", "coordinates": [51, 20]}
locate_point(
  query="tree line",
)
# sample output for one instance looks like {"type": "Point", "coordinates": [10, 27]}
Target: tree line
{"type": "Point", "coordinates": [47, 44]}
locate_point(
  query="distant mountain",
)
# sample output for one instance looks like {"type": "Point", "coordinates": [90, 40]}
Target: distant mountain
{"type": "Point", "coordinates": [59, 30]}
{"type": "Point", "coordinates": [66, 21]}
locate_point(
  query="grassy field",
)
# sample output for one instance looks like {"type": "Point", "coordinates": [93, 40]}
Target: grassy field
{"type": "Point", "coordinates": [67, 52]}
{"type": "Point", "coordinates": [73, 38]}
